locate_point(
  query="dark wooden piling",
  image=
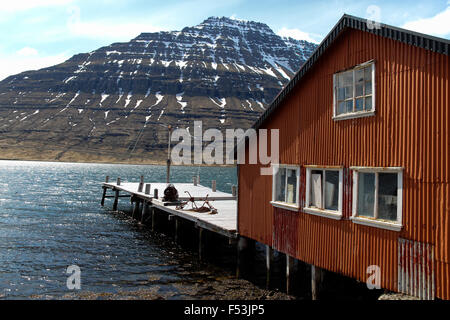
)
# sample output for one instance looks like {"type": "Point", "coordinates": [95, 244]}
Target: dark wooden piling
{"type": "Point", "coordinates": [245, 249]}
{"type": "Point", "coordinates": [201, 244]}
{"type": "Point", "coordinates": [104, 191]}
{"type": "Point", "coordinates": [289, 273]}
{"type": "Point", "coordinates": [104, 196]}
{"type": "Point", "coordinates": [213, 185]}
{"type": "Point", "coordinates": [269, 262]}
{"type": "Point", "coordinates": [137, 203]}
{"type": "Point", "coordinates": [233, 191]}
{"type": "Point", "coordinates": [147, 188]}
{"type": "Point", "coordinates": [116, 200]}
{"type": "Point", "coordinates": [316, 282]}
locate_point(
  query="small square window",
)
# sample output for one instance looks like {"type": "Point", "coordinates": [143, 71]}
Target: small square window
{"type": "Point", "coordinates": [354, 92]}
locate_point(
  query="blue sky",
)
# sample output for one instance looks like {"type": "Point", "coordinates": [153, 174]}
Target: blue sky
{"type": "Point", "coordinates": [39, 33]}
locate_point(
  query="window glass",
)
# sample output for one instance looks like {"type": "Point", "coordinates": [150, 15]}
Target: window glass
{"type": "Point", "coordinates": [353, 91]}
{"type": "Point", "coordinates": [368, 103]}
{"type": "Point", "coordinates": [368, 87]}
{"type": "Point", "coordinates": [316, 189]}
{"type": "Point", "coordinates": [291, 186]}
{"type": "Point", "coordinates": [331, 190]}
{"type": "Point", "coordinates": [280, 181]}
{"type": "Point", "coordinates": [366, 194]}
{"type": "Point", "coordinates": [387, 196]}
{"type": "Point", "coordinates": [359, 106]}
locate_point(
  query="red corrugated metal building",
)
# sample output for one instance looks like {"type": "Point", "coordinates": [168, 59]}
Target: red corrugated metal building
{"type": "Point", "coordinates": [364, 164]}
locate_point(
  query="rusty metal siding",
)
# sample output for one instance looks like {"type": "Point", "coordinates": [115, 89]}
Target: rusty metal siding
{"type": "Point", "coordinates": [416, 269]}
{"type": "Point", "coordinates": [410, 130]}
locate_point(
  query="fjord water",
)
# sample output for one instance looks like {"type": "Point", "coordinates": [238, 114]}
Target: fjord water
{"type": "Point", "coordinates": [51, 218]}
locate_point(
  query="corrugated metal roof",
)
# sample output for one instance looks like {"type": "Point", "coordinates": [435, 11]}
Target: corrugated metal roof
{"type": "Point", "coordinates": [428, 42]}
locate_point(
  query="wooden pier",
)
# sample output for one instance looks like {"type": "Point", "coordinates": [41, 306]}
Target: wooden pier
{"type": "Point", "coordinates": [149, 196]}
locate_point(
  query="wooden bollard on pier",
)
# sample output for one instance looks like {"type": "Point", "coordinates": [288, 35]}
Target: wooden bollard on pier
{"type": "Point", "coordinates": [194, 180]}
{"type": "Point", "coordinates": [118, 181]}
{"type": "Point", "coordinates": [233, 191]}
{"type": "Point", "coordinates": [213, 185]}
{"type": "Point", "coordinates": [155, 193]}
{"type": "Point", "coordinates": [147, 188]}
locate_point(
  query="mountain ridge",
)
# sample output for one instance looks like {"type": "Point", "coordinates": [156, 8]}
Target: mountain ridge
{"type": "Point", "coordinates": [111, 104]}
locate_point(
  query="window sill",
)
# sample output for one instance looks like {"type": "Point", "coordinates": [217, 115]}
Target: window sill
{"type": "Point", "coordinates": [354, 115]}
{"type": "Point", "coordinates": [377, 223]}
{"type": "Point", "coordinates": [282, 205]}
{"type": "Point", "coordinates": [324, 213]}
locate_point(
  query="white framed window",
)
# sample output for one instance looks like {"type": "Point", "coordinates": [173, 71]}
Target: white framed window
{"type": "Point", "coordinates": [324, 191]}
{"type": "Point", "coordinates": [354, 92]}
{"type": "Point", "coordinates": [377, 197]}
{"type": "Point", "coordinates": [285, 185]}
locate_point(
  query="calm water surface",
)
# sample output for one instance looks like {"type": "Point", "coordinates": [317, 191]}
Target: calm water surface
{"type": "Point", "coordinates": [50, 218]}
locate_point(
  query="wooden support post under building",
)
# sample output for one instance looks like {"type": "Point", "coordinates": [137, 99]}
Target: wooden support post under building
{"type": "Point", "coordinates": [177, 230]}
{"type": "Point", "coordinates": [201, 244]}
{"type": "Point", "coordinates": [289, 273]}
{"type": "Point", "coordinates": [233, 191]}
{"type": "Point", "coordinates": [269, 261]}
{"type": "Point", "coordinates": [116, 200]}
{"type": "Point", "coordinates": [316, 282]}
{"type": "Point", "coordinates": [245, 248]}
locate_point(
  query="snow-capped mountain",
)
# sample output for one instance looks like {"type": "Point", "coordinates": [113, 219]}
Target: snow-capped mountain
{"type": "Point", "coordinates": [112, 104]}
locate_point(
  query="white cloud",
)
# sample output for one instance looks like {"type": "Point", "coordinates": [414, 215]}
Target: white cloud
{"type": "Point", "coordinates": [13, 64]}
{"type": "Point", "coordinates": [21, 5]}
{"type": "Point", "coordinates": [106, 28]}
{"type": "Point", "coordinates": [297, 34]}
{"type": "Point", "coordinates": [439, 25]}
{"type": "Point", "coordinates": [27, 52]}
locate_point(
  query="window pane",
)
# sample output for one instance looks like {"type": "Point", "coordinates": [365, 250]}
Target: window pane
{"type": "Point", "coordinates": [359, 89]}
{"type": "Point", "coordinates": [341, 94]}
{"type": "Point", "coordinates": [349, 106]}
{"type": "Point", "coordinates": [348, 92]}
{"type": "Point", "coordinates": [359, 105]}
{"type": "Point", "coordinates": [368, 87]}
{"type": "Point", "coordinates": [368, 103]}
{"type": "Point", "coordinates": [341, 108]}
{"type": "Point", "coordinates": [359, 76]}
{"type": "Point", "coordinates": [366, 194]}
{"type": "Point", "coordinates": [346, 82]}
{"type": "Point", "coordinates": [316, 189]}
{"type": "Point", "coordinates": [291, 186]}
{"type": "Point", "coordinates": [331, 190]}
{"type": "Point", "coordinates": [387, 196]}
{"type": "Point", "coordinates": [280, 181]}
{"type": "Point", "coordinates": [368, 73]}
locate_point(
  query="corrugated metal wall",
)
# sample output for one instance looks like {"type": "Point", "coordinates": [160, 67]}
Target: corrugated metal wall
{"type": "Point", "coordinates": [410, 130]}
